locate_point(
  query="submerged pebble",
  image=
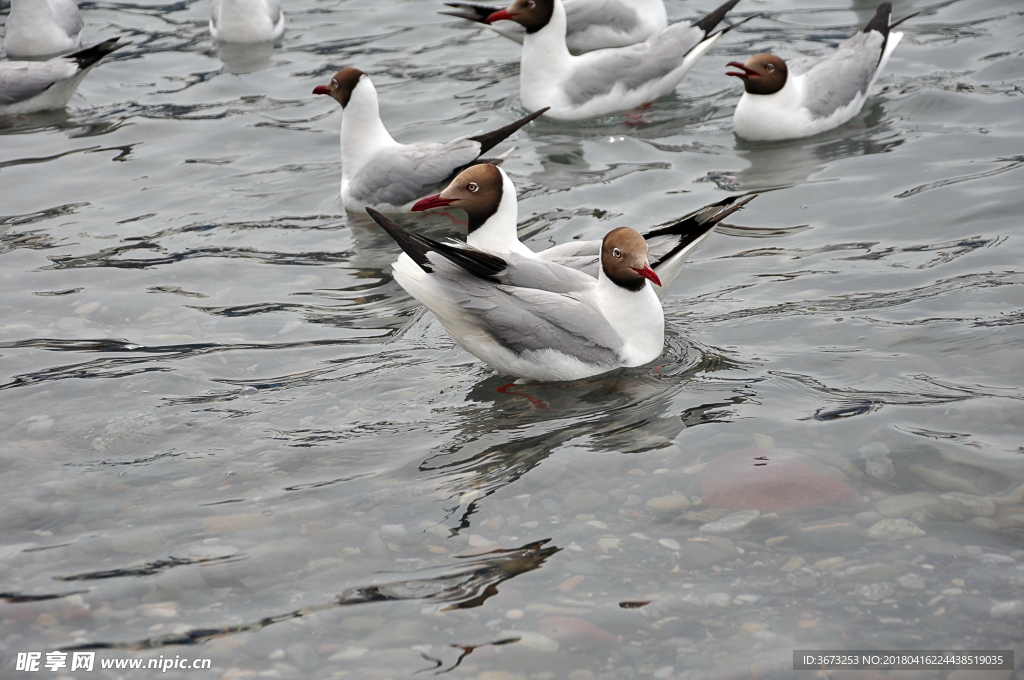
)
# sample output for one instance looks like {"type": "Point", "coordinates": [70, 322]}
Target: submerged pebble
{"type": "Point", "coordinates": [876, 461]}
{"type": "Point", "coordinates": [732, 522]}
{"type": "Point", "coordinates": [667, 507]}
{"type": "Point", "coordinates": [926, 504]}
{"type": "Point", "coordinates": [894, 530]}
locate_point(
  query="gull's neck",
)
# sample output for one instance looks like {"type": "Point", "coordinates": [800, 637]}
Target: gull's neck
{"type": "Point", "coordinates": [636, 316]}
{"type": "Point", "coordinates": [499, 233]}
{"type": "Point", "coordinates": [363, 134]}
{"type": "Point", "coordinates": [546, 62]}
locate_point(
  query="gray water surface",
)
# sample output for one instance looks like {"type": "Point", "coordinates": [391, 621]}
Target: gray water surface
{"type": "Point", "coordinates": [229, 434]}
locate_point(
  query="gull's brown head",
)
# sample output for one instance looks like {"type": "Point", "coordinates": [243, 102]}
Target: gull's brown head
{"type": "Point", "coordinates": [624, 259]}
{"type": "Point", "coordinates": [477, 190]}
{"type": "Point", "coordinates": [532, 15]}
{"type": "Point", "coordinates": [762, 74]}
{"type": "Point", "coordinates": [341, 86]}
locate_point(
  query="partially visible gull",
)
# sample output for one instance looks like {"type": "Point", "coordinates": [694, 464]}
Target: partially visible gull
{"type": "Point", "coordinates": [40, 28]}
{"type": "Point", "coordinates": [603, 81]}
{"type": "Point", "coordinates": [591, 24]}
{"type": "Point", "coordinates": [30, 86]}
{"type": "Point", "coordinates": [246, 21]}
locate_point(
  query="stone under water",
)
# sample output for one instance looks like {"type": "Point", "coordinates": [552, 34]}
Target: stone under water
{"type": "Point", "coordinates": [757, 479]}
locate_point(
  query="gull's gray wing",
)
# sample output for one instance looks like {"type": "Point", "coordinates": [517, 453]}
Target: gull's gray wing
{"type": "Point", "coordinates": [835, 81]}
{"type": "Point", "coordinates": [583, 256]}
{"type": "Point", "coordinates": [531, 319]}
{"type": "Point", "coordinates": [613, 14]}
{"type": "Point", "coordinates": [801, 65]}
{"type": "Point", "coordinates": [635, 65]}
{"type": "Point", "coordinates": [528, 319]}
{"type": "Point", "coordinates": [409, 171]}
{"type": "Point", "coordinates": [21, 80]}
{"type": "Point", "coordinates": [67, 16]}
{"type": "Point", "coordinates": [543, 274]}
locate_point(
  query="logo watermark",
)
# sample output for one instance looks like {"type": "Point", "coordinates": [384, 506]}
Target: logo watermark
{"type": "Point", "coordinates": [31, 662]}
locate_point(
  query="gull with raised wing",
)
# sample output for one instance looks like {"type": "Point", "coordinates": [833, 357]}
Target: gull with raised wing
{"type": "Point", "coordinates": [488, 197]}
{"type": "Point", "coordinates": [39, 28]}
{"type": "Point", "coordinates": [808, 95]}
{"type": "Point", "coordinates": [246, 21]}
{"type": "Point", "coordinates": [534, 319]}
{"type": "Point", "coordinates": [590, 24]}
{"type": "Point", "coordinates": [603, 81]}
{"type": "Point", "coordinates": [30, 86]}
{"type": "Point", "coordinates": [377, 171]}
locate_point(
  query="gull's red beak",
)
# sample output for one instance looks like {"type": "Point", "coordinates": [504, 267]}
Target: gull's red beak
{"type": "Point", "coordinates": [322, 89]}
{"type": "Point", "coordinates": [747, 72]}
{"type": "Point", "coordinates": [432, 202]}
{"type": "Point", "coordinates": [500, 15]}
{"type": "Point", "coordinates": [648, 273]}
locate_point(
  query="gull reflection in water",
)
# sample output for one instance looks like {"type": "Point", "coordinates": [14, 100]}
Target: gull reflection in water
{"type": "Point", "coordinates": [241, 58]}
{"type": "Point", "coordinates": [791, 162]}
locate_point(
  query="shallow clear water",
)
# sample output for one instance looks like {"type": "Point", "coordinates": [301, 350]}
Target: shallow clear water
{"type": "Point", "coordinates": [230, 435]}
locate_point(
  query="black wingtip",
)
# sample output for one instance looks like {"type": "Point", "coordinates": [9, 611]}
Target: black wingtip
{"type": "Point", "coordinates": [463, 15]}
{"type": "Point", "coordinates": [472, 11]}
{"type": "Point", "coordinates": [738, 205]}
{"type": "Point", "coordinates": [697, 224]}
{"type": "Point", "coordinates": [90, 55]}
{"type": "Point", "coordinates": [738, 24]}
{"type": "Point", "coordinates": [413, 246]}
{"type": "Point", "coordinates": [702, 220]}
{"type": "Point", "coordinates": [880, 22]}
{"type": "Point", "coordinates": [476, 262]}
{"type": "Point", "coordinates": [489, 140]}
{"type": "Point", "coordinates": [900, 21]}
{"type": "Point", "coordinates": [708, 23]}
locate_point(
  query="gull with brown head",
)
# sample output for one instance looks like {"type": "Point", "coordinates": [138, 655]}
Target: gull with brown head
{"type": "Point", "coordinates": [809, 95]}
{"type": "Point", "coordinates": [379, 172]}
{"type": "Point", "coordinates": [534, 319]}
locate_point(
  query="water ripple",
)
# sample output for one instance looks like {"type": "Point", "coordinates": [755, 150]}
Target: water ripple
{"type": "Point", "coordinates": [465, 586]}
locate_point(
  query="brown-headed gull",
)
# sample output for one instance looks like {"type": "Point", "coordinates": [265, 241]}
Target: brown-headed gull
{"type": "Point", "coordinates": [30, 86]}
{"type": "Point", "coordinates": [488, 197]}
{"type": "Point", "coordinates": [39, 28]}
{"type": "Point", "coordinates": [246, 21]}
{"type": "Point", "coordinates": [534, 319]}
{"type": "Point", "coordinates": [590, 24]}
{"type": "Point", "coordinates": [807, 95]}
{"type": "Point", "coordinates": [377, 171]}
{"type": "Point", "coordinates": [603, 81]}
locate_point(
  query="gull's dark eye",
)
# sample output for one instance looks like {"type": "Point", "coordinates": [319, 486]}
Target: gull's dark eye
{"type": "Point", "coordinates": [531, 4]}
{"type": "Point", "coordinates": [334, 83]}
{"type": "Point", "coordinates": [616, 252]}
{"type": "Point", "coordinates": [473, 187]}
{"type": "Point", "coordinates": [770, 68]}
